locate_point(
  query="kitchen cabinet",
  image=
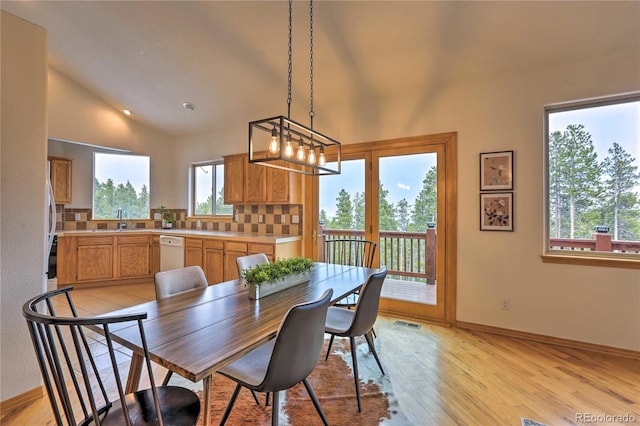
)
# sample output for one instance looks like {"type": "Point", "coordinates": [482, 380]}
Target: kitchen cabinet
{"type": "Point", "coordinates": [193, 252]}
{"type": "Point", "coordinates": [94, 259]}
{"type": "Point", "coordinates": [134, 256]}
{"type": "Point", "coordinates": [232, 251]}
{"type": "Point", "coordinates": [155, 254]}
{"type": "Point", "coordinates": [256, 184]}
{"type": "Point", "coordinates": [60, 176]}
{"type": "Point", "coordinates": [234, 179]}
{"type": "Point", "coordinates": [213, 261]}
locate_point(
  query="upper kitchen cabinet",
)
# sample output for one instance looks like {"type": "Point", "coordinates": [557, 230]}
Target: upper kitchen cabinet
{"type": "Point", "coordinates": [259, 184]}
{"type": "Point", "coordinates": [60, 175]}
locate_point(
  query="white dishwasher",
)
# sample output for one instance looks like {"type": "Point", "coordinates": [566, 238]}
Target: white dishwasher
{"type": "Point", "coordinates": [171, 252]}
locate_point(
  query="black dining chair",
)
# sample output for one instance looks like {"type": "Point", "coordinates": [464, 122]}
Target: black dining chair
{"type": "Point", "coordinates": [286, 360]}
{"type": "Point", "coordinates": [79, 387]}
{"type": "Point", "coordinates": [358, 322]}
{"type": "Point", "coordinates": [175, 281]}
{"type": "Point", "coordinates": [352, 252]}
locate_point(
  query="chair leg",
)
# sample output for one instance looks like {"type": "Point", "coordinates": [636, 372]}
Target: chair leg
{"type": "Point", "coordinates": [275, 408]}
{"type": "Point", "coordinates": [266, 402]}
{"type": "Point", "coordinates": [316, 403]}
{"type": "Point", "coordinates": [326, 357]}
{"type": "Point", "coordinates": [232, 401]}
{"type": "Point", "coordinates": [255, 397]}
{"type": "Point", "coordinates": [165, 382]}
{"type": "Point", "coordinates": [373, 350]}
{"type": "Point", "coordinates": [352, 341]}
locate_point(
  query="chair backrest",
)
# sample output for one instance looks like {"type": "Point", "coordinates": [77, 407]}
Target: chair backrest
{"type": "Point", "coordinates": [353, 252]}
{"type": "Point", "coordinates": [178, 280]}
{"type": "Point", "coordinates": [298, 344]}
{"type": "Point", "coordinates": [368, 304]}
{"type": "Point", "coordinates": [245, 262]}
{"type": "Point", "coordinates": [76, 385]}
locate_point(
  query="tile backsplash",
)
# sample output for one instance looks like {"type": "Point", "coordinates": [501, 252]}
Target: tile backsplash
{"type": "Point", "coordinates": [261, 219]}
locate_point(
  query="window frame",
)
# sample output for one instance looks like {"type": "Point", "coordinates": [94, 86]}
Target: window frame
{"type": "Point", "coordinates": [193, 188]}
{"type": "Point", "coordinates": [583, 258]}
{"type": "Point", "coordinates": [93, 186]}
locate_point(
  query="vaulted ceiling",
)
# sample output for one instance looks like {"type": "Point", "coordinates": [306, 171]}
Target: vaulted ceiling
{"type": "Point", "coordinates": [229, 58]}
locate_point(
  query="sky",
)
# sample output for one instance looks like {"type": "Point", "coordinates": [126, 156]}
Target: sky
{"type": "Point", "coordinates": [122, 167]}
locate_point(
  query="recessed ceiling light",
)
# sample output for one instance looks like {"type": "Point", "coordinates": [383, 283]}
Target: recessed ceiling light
{"type": "Point", "coordinates": [188, 106]}
{"type": "Point", "coordinates": [126, 112]}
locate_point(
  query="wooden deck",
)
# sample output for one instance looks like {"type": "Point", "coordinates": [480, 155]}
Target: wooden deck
{"type": "Point", "coordinates": [409, 291]}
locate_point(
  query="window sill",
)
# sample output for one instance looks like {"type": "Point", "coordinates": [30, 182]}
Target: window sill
{"type": "Point", "coordinates": [591, 261]}
{"type": "Point", "coordinates": [211, 218]}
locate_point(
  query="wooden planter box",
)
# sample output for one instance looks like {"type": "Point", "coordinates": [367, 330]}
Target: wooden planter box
{"type": "Point", "coordinates": [270, 287]}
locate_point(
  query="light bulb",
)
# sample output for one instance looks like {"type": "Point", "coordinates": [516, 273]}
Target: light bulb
{"type": "Point", "coordinates": [273, 145]}
{"type": "Point", "coordinates": [321, 159]}
{"type": "Point", "coordinates": [312, 156]}
{"type": "Point", "coordinates": [288, 149]}
{"type": "Point", "coordinates": [300, 155]}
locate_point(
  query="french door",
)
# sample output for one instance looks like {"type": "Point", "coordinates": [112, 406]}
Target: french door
{"type": "Point", "coordinates": [401, 195]}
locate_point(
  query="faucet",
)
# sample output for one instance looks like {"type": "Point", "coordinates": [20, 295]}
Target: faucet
{"type": "Point", "coordinates": [121, 225]}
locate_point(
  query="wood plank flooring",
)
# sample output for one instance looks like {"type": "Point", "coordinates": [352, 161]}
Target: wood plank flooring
{"type": "Point", "coordinates": [449, 376]}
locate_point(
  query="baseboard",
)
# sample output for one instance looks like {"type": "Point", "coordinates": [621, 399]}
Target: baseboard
{"type": "Point", "coordinates": [20, 400]}
{"type": "Point", "coordinates": [557, 341]}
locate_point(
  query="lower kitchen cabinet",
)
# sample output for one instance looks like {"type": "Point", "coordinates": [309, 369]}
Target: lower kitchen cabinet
{"type": "Point", "coordinates": [134, 256]}
{"type": "Point", "coordinates": [155, 254]}
{"type": "Point", "coordinates": [94, 259]}
{"type": "Point", "coordinates": [192, 251]}
{"type": "Point", "coordinates": [213, 261]}
{"type": "Point", "coordinates": [232, 251]}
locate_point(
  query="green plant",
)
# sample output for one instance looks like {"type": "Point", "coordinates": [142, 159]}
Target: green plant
{"type": "Point", "coordinates": [166, 214]}
{"type": "Point", "coordinates": [277, 270]}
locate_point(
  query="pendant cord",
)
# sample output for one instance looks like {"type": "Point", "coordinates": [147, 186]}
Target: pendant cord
{"type": "Point", "coordinates": [290, 63]}
{"type": "Point", "coordinates": [311, 112]}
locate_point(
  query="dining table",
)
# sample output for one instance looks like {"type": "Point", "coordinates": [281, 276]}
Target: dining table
{"type": "Point", "coordinates": [198, 332]}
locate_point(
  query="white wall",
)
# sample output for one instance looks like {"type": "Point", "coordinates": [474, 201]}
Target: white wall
{"type": "Point", "coordinates": [76, 114]}
{"type": "Point", "coordinates": [22, 196]}
{"type": "Point", "coordinates": [590, 304]}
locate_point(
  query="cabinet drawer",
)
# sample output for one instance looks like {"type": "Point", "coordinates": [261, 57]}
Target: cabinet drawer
{"type": "Point", "coordinates": [94, 241]}
{"type": "Point", "coordinates": [214, 244]}
{"type": "Point", "coordinates": [261, 248]}
{"type": "Point", "coordinates": [236, 246]}
{"type": "Point", "coordinates": [193, 242]}
{"type": "Point", "coordinates": [133, 239]}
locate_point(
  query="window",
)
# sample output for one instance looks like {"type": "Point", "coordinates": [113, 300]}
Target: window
{"type": "Point", "coordinates": [120, 183]}
{"type": "Point", "coordinates": [208, 185]}
{"type": "Point", "coordinates": [593, 179]}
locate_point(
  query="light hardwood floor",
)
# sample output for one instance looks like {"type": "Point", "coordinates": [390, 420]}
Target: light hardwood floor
{"type": "Point", "coordinates": [444, 376]}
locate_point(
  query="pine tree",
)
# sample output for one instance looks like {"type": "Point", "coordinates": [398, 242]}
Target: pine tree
{"type": "Point", "coordinates": [403, 215]}
{"type": "Point", "coordinates": [386, 211]}
{"type": "Point", "coordinates": [343, 218]}
{"type": "Point", "coordinates": [621, 178]}
{"type": "Point", "coordinates": [425, 208]}
{"type": "Point", "coordinates": [358, 210]}
{"type": "Point", "coordinates": [576, 176]}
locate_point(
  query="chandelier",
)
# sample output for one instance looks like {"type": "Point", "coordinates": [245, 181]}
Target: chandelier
{"type": "Point", "coordinates": [286, 144]}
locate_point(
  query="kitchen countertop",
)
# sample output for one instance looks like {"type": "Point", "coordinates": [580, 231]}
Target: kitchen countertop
{"type": "Point", "coordinates": [226, 235]}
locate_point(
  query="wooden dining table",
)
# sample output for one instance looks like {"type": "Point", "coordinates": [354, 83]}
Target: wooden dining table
{"type": "Point", "coordinates": [198, 332]}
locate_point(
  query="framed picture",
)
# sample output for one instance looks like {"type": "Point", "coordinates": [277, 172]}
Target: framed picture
{"type": "Point", "coordinates": [496, 211]}
{"type": "Point", "coordinates": [496, 171]}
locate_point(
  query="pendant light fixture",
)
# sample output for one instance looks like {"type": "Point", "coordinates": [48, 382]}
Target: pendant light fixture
{"type": "Point", "coordinates": [286, 144]}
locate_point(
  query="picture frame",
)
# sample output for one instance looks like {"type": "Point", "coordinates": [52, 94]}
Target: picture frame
{"type": "Point", "coordinates": [496, 211]}
{"type": "Point", "coordinates": [496, 171]}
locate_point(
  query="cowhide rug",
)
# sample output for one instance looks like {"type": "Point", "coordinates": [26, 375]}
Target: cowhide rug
{"type": "Point", "coordinates": [332, 381]}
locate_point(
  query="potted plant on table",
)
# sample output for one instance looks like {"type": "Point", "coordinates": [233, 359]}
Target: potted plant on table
{"type": "Point", "coordinates": [269, 278]}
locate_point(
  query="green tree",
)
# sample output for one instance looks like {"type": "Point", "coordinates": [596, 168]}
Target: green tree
{"type": "Point", "coordinates": [358, 210]}
{"type": "Point", "coordinates": [221, 207]}
{"type": "Point", "coordinates": [206, 206]}
{"type": "Point", "coordinates": [425, 208]}
{"type": "Point", "coordinates": [621, 176]}
{"type": "Point", "coordinates": [403, 215]}
{"type": "Point", "coordinates": [574, 179]}
{"type": "Point", "coordinates": [323, 218]}
{"type": "Point", "coordinates": [343, 218]}
{"type": "Point", "coordinates": [386, 211]}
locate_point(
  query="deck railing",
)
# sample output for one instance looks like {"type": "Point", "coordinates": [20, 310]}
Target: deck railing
{"type": "Point", "coordinates": [405, 254]}
{"type": "Point", "coordinates": [600, 242]}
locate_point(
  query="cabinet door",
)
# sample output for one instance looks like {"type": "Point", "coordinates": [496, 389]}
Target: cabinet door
{"type": "Point", "coordinates": [234, 179]}
{"type": "Point", "coordinates": [214, 265]}
{"type": "Point", "coordinates": [155, 255]}
{"type": "Point", "coordinates": [230, 265]}
{"type": "Point", "coordinates": [193, 252]}
{"type": "Point", "coordinates": [60, 176]}
{"type": "Point", "coordinates": [256, 184]}
{"type": "Point", "coordinates": [278, 186]}
{"type": "Point", "coordinates": [133, 260]}
{"type": "Point", "coordinates": [94, 259]}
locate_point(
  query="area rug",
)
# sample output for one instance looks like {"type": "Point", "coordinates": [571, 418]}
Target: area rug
{"type": "Point", "coordinates": [332, 381]}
